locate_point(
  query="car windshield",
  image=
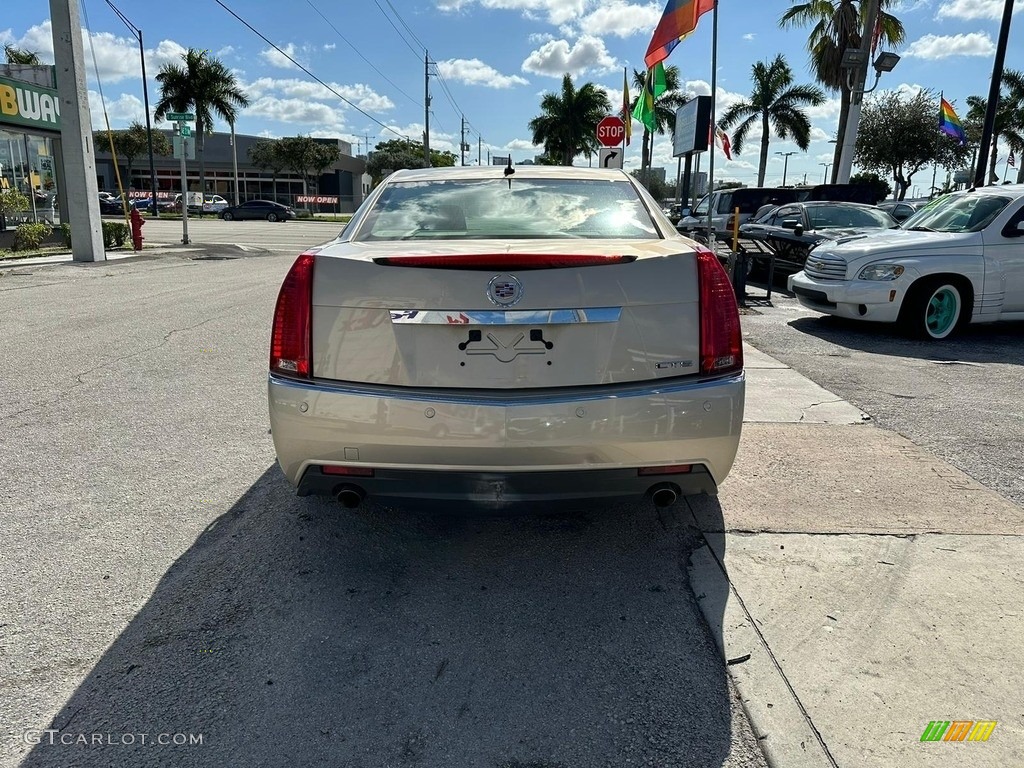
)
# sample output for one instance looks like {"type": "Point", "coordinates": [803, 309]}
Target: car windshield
{"type": "Point", "coordinates": [835, 216]}
{"type": "Point", "coordinates": [968, 212]}
{"type": "Point", "coordinates": [493, 208]}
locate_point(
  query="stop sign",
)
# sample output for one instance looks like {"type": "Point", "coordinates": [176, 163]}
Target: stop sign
{"type": "Point", "coordinates": [611, 131]}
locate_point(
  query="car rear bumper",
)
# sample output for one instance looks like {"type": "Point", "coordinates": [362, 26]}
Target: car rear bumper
{"type": "Point", "coordinates": [507, 445]}
{"type": "Point", "coordinates": [878, 301]}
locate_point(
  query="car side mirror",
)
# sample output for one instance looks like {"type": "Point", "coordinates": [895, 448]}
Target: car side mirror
{"type": "Point", "coordinates": [798, 230]}
{"type": "Point", "coordinates": [1014, 231]}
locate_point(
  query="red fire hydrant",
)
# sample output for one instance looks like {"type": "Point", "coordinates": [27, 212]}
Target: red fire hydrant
{"type": "Point", "coordinates": [137, 222]}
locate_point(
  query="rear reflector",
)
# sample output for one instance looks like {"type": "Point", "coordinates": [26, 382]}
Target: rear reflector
{"type": "Point", "coordinates": [721, 342]}
{"type": "Point", "coordinates": [329, 469]}
{"type": "Point", "coordinates": [290, 341]}
{"type": "Point", "coordinates": [502, 261]}
{"type": "Point", "coordinates": [668, 469]}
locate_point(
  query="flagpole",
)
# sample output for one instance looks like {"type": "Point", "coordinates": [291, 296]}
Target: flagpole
{"type": "Point", "coordinates": [626, 115]}
{"type": "Point", "coordinates": [714, 121]}
{"type": "Point", "coordinates": [935, 170]}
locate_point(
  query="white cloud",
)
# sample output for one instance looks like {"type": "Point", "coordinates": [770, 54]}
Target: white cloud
{"type": "Point", "coordinates": [749, 36]}
{"type": "Point", "coordinates": [122, 111]}
{"type": "Point", "coordinates": [829, 111]}
{"type": "Point", "coordinates": [973, 9]}
{"type": "Point", "coordinates": [117, 58]}
{"type": "Point", "coordinates": [227, 50]}
{"type": "Point", "coordinates": [819, 135]}
{"type": "Point", "coordinates": [361, 95]}
{"type": "Point", "coordinates": [522, 145]}
{"type": "Point", "coordinates": [944, 46]}
{"type": "Point", "coordinates": [622, 19]}
{"type": "Point", "coordinates": [475, 72]}
{"type": "Point", "coordinates": [276, 58]}
{"type": "Point", "coordinates": [554, 11]}
{"type": "Point", "coordinates": [292, 110]}
{"type": "Point", "coordinates": [724, 100]}
{"type": "Point", "coordinates": [556, 57]}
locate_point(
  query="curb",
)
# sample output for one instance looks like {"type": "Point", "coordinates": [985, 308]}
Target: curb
{"type": "Point", "coordinates": [783, 729]}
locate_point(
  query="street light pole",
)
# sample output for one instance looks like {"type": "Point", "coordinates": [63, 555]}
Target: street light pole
{"type": "Point", "coordinates": [234, 159]}
{"type": "Point", "coordinates": [153, 206]}
{"type": "Point", "coordinates": [824, 179]}
{"type": "Point", "coordinates": [785, 164]}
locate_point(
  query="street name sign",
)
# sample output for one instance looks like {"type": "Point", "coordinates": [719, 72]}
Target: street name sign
{"type": "Point", "coordinates": [188, 117]}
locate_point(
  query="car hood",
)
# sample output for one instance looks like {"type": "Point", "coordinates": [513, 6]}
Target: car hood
{"type": "Point", "coordinates": [903, 242]}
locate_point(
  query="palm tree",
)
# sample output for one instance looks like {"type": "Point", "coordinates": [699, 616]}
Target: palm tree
{"type": "Point", "coordinates": [15, 55]}
{"type": "Point", "coordinates": [776, 104]}
{"type": "Point", "coordinates": [835, 27]}
{"type": "Point", "coordinates": [204, 86]}
{"type": "Point", "coordinates": [665, 107]}
{"type": "Point", "coordinates": [1009, 122]}
{"type": "Point", "coordinates": [567, 125]}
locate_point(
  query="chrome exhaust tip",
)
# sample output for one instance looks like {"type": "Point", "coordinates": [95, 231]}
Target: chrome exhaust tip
{"type": "Point", "coordinates": [350, 496]}
{"type": "Point", "coordinates": [663, 495]}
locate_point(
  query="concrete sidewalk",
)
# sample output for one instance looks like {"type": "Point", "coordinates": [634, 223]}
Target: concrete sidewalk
{"type": "Point", "coordinates": [872, 587]}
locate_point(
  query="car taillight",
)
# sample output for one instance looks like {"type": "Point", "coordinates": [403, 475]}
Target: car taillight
{"type": "Point", "coordinates": [290, 339]}
{"type": "Point", "coordinates": [502, 261]}
{"type": "Point", "coordinates": [721, 342]}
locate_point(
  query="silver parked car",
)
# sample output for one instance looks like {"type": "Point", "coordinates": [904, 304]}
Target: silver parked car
{"type": "Point", "coordinates": [539, 336]}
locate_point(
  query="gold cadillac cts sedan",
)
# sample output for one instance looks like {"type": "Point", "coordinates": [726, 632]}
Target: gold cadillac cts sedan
{"type": "Point", "coordinates": [490, 335]}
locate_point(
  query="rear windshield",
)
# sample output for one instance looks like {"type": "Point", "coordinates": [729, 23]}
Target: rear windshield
{"type": "Point", "coordinates": [495, 209]}
{"type": "Point", "coordinates": [833, 216]}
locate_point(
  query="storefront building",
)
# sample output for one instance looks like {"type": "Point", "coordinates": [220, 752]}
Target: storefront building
{"type": "Point", "coordinates": [342, 184]}
{"type": "Point", "coordinates": [29, 139]}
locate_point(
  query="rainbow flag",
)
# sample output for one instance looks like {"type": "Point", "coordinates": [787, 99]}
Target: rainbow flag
{"type": "Point", "coordinates": [949, 123]}
{"type": "Point", "coordinates": [677, 22]}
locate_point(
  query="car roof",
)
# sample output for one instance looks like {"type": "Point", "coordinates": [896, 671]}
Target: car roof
{"type": "Point", "coordinates": [498, 172]}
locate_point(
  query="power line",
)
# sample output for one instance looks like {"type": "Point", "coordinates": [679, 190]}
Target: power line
{"type": "Point", "coordinates": [404, 40]}
{"type": "Point", "coordinates": [407, 27]}
{"type": "Point", "coordinates": [304, 69]}
{"type": "Point", "coordinates": [359, 54]}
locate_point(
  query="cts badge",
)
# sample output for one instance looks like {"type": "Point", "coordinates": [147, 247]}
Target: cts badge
{"type": "Point", "coordinates": [504, 290]}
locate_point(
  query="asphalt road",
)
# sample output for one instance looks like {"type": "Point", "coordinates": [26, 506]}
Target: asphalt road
{"type": "Point", "coordinates": [960, 398]}
{"type": "Point", "coordinates": [158, 576]}
{"type": "Point", "coordinates": [278, 235]}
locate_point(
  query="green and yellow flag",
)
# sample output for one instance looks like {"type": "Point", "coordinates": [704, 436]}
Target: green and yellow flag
{"type": "Point", "coordinates": [654, 86]}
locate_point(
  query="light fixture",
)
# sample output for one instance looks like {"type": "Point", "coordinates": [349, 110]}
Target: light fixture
{"type": "Point", "coordinates": [853, 58]}
{"type": "Point", "coordinates": [886, 61]}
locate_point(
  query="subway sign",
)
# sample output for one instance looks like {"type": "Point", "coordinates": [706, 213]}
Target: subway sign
{"type": "Point", "coordinates": [28, 105]}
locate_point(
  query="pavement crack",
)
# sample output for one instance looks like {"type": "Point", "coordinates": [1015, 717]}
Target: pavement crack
{"type": "Point", "coordinates": [79, 377]}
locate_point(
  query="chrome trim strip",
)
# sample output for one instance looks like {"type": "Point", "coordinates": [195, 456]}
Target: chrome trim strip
{"type": "Point", "coordinates": [514, 396]}
{"type": "Point", "coordinates": [510, 317]}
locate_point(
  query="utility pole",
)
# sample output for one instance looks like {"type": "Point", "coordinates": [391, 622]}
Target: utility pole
{"type": "Point", "coordinates": [426, 108]}
{"type": "Point", "coordinates": [462, 142]}
{"type": "Point", "coordinates": [993, 96]}
{"type": "Point", "coordinates": [860, 77]}
{"type": "Point", "coordinates": [479, 149]}
{"type": "Point", "coordinates": [77, 150]}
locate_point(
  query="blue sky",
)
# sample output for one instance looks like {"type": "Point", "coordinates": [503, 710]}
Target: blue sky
{"type": "Point", "coordinates": [496, 58]}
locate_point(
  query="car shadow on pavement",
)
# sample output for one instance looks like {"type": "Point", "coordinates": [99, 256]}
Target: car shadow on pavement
{"type": "Point", "coordinates": [995, 343]}
{"type": "Point", "coordinates": [295, 632]}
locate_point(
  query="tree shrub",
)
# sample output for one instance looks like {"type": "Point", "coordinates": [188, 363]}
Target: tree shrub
{"type": "Point", "coordinates": [115, 234]}
{"type": "Point", "coordinates": [65, 234]}
{"type": "Point", "coordinates": [30, 236]}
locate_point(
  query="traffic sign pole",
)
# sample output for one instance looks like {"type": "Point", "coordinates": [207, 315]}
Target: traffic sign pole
{"type": "Point", "coordinates": [184, 181]}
